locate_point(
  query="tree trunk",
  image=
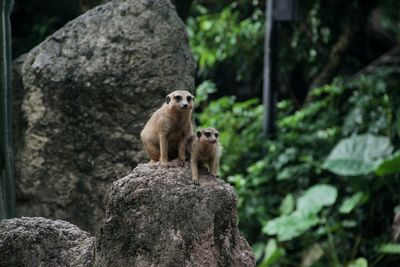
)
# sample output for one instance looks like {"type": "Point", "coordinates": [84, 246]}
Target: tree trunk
{"type": "Point", "coordinates": [335, 58]}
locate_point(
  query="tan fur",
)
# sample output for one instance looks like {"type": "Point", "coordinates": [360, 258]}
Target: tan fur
{"type": "Point", "coordinates": [165, 135]}
{"type": "Point", "coordinates": [205, 150]}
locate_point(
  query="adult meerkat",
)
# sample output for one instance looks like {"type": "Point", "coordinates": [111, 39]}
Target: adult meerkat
{"type": "Point", "coordinates": [166, 134]}
{"type": "Point", "coordinates": [205, 149]}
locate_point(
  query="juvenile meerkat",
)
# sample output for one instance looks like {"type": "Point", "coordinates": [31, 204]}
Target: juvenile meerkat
{"type": "Point", "coordinates": [165, 135]}
{"type": "Point", "coordinates": [206, 150]}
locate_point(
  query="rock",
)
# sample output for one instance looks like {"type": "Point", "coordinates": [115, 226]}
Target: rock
{"type": "Point", "coordinates": [156, 216]}
{"type": "Point", "coordinates": [43, 242]}
{"type": "Point", "coordinates": [81, 99]}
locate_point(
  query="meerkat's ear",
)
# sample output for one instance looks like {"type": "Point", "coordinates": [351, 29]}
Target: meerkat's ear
{"type": "Point", "coordinates": [167, 99]}
{"type": "Point", "coordinates": [198, 134]}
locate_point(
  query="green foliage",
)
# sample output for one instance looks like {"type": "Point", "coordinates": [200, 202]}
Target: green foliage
{"type": "Point", "coordinates": [363, 154]}
{"type": "Point", "coordinates": [323, 190]}
{"type": "Point", "coordinates": [360, 262]}
{"type": "Point", "coordinates": [358, 155]}
{"type": "Point", "coordinates": [273, 253]}
{"type": "Point", "coordinates": [203, 90]}
{"type": "Point", "coordinates": [287, 227]}
{"type": "Point", "coordinates": [350, 203]}
{"type": "Point", "coordinates": [389, 248]}
{"type": "Point", "coordinates": [389, 166]}
{"type": "Point", "coordinates": [243, 119]}
{"type": "Point", "coordinates": [316, 197]}
{"type": "Point", "coordinates": [226, 36]}
{"type": "Point", "coordinates": [285, 191]}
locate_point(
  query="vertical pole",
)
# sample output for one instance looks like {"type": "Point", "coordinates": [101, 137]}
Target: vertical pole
{"type": "Point", "coordinates": [267, 83]}
{"type": "Point", "coordinates": [7, 183]}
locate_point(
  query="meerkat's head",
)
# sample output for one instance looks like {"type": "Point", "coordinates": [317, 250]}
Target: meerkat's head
{"type": "Point", "coordinates": [180, 100]}
{"type": "Point", "coordinates": [209, 135]}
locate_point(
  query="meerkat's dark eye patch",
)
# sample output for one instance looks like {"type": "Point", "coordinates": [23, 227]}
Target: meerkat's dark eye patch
{"type": "Point", "coordinates": [178, 98]}
{"type": "Point", "coordinates": [216, 135]}
{"type": "Point", "coordinates": [207, 134]}
{"type": "Point", "coordinates": [189, 98]}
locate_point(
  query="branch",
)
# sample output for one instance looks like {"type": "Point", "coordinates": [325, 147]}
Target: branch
{"type": "Point", "coordinates": [335, 58]}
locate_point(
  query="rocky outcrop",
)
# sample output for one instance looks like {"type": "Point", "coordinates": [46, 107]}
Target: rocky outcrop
{"type": "Point", "coordinates": [43, 242]}
{"type": "Point", "coordinates": [156, 216]}
{"type": "Point", "coordinates": [81, 98]}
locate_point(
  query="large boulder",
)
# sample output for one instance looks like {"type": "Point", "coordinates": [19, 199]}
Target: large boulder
{"type": "Point", "coordinates": [43, 242]}
{"type": "Point", "coordinates": [156, 216]}
{"type": "Point", "coordinates": [81, 98]}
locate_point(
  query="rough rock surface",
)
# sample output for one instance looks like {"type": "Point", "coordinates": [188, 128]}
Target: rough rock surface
{"type": "Point", "coordinates": [81, 98]}
{"type": "Point", "coordinates": [43, 242]}
{"type": "Point", "coordinates": [156, 216]}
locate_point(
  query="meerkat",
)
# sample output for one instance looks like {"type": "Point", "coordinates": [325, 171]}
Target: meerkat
{"type": "Point", "coordinates": [165, 135]}
{"type": "Point", "coordinates": [205, 149]}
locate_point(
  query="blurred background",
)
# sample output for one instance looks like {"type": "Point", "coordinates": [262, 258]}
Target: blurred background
{"type": "Point", "coordinates": [323, 190]}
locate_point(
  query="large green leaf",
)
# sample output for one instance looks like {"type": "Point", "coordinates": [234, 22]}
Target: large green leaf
{"type": "Point", "coordinates": [351, 202]}
{"type": "Point", "coordinates": [287, 205]}
{"type": "Point", "coordinates": [389, 166]}
{"type": "Point", "coordinates": [258, 249]}
{"type": "Point", "coordinates": [360, 262]}
{"type": "Point", "coordinates": [272, 253]}
{"type": "Point", "coordinates": [287, 227]}
{"type": "Point", "coordinates": [389, 248]}
{"type": "Point", "coordinates": [358, 155]}
{"type": "Point", "coordinates": [317, 197]}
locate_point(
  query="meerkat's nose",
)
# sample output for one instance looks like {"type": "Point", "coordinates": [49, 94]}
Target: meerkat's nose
{"type": "Point", "coordinates": [185, 105]}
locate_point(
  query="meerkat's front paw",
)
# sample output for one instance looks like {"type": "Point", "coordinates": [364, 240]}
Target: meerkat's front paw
{"type": "Point", "coordinates": [196, 181]}
{"type": "Point", "coordinates": [181, 163]}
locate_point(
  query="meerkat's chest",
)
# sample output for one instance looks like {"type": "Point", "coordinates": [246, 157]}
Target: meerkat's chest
{"type": "Point", "coordinates": [177, 135]}
{"type": "Point", "coordinates": [206, 152]}
{"type": "Point", "coordinates": [177, 129]}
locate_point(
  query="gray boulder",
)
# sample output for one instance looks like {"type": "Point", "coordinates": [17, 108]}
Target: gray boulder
{"type": "Point", "coordinates": [157, 217]}
{"type": "Point", "coordinates": [43, 242]}
{"type": "Point", "coordinates": [81, 98]}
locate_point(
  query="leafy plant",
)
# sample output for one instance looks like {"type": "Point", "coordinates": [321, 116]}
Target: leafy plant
{"type": "Point", "coordinates": [287, 227]}
{"type": "Point", "coordinates": [389, 248]}
{"type": "Point", "coordinates": [317, 183]}
{"type": "Point", "coordinates": [358, 155]}
{"type": "Point", "coordinates": [226, 36]}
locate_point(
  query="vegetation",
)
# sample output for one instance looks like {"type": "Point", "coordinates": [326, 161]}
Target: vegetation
{"type": "Point", "coordinates": [322, 191]}
{"type": "Point", "coordinates": [325, 187]}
